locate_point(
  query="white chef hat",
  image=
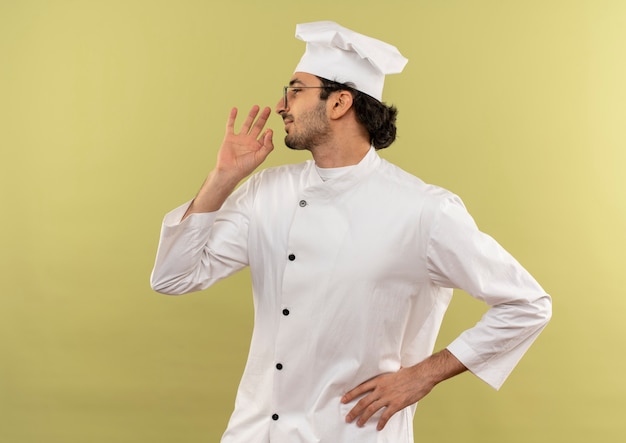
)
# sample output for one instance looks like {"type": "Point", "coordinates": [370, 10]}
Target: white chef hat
{"type": "Point", "coordinates": [339, 54]}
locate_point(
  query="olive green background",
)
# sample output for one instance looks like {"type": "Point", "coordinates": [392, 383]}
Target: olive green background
{"type": "Point", "coordinates": [111, 113]}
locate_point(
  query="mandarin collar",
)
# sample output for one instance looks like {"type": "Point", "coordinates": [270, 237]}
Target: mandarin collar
{"type": "Point", "coordinates": [316, 186]}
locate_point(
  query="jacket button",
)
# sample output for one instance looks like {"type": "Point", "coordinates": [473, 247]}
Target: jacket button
{"type": "Point", "coordinates": [279, 366]}
{"type": "Point", "coordinates": [303, 203]}
{"type": "Point", "coordinates": [285, 312]}
{"type": "Point", "coordinates": [292, 257]}
{"type": "Point", "coordinates": [275, 417]}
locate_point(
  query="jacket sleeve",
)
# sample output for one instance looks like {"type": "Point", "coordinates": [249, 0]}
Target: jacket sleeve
{"type": "Point", "coordinates": [461, 256]}
{"type": "Point", "coordinates": [204, 248]}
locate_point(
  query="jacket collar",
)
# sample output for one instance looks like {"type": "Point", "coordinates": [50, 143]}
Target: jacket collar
{"type": "Point", "coordinates": [316, 186]}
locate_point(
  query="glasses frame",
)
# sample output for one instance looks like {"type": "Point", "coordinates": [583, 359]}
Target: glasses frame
{"type": "Point", "coordinates": [286, 88]}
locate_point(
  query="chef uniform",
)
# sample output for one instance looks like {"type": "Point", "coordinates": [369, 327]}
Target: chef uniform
{"type": "Point", "coordinates": [351, 278]}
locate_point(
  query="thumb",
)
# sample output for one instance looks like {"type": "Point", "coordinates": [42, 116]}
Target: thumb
{"type": "Point", "coordinates": [268, 143]}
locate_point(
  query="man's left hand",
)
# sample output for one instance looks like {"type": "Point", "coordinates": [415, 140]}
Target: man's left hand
{"type": "Point", "coordinates": [395, 391]}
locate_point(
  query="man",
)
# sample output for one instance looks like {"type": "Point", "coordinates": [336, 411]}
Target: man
{"type": "Point", "coordinates": [352, 261]}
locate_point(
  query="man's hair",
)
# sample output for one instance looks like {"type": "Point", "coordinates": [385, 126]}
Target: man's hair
{"type": "Point", "coordinates": [378, 119]}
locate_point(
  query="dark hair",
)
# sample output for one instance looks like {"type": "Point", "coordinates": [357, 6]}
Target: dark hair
{"type": "Point", "coordinates": [378, 118]}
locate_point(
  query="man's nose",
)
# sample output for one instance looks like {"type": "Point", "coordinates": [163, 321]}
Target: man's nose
{"type": "Point", "coordinates": [280, 106]}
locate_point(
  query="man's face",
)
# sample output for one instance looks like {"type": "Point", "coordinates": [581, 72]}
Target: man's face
{"type": "Point", "coordinates": [304, 113]}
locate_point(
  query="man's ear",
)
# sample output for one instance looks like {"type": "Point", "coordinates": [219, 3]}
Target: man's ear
{"type": "Point", "coordinates": [341, 103]}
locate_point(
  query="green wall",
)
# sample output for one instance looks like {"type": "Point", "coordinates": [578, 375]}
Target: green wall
{"type": "Point", "coordinates": [111, 113]}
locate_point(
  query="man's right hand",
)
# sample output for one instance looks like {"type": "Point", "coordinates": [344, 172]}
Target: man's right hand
{"type": "Point", "coordinates": [239, 155]}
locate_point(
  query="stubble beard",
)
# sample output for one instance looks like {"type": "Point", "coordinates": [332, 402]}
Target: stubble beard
{"type": "Point", "coordinates": [315, 132]}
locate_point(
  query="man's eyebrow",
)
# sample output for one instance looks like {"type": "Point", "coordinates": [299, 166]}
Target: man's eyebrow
{"type": "Point", "coordinates": [294, 81]}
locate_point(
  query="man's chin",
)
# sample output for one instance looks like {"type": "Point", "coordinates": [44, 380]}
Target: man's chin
{"type": "Point", "coordinates": [293, 146]}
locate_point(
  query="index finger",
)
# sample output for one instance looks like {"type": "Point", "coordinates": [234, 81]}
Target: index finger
{"type": "Point", "coordinates": [359, 390]}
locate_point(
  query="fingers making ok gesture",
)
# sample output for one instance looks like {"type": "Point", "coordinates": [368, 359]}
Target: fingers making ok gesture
{"type": "Point", "coordinates": [242, 152]}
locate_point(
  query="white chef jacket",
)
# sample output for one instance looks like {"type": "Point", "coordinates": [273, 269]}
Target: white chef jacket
{"type": "Point", "coordinates": [351, 278]}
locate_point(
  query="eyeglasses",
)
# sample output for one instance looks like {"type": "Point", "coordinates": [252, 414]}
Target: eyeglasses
{"type": "Point", "coordinates": [295, 89]}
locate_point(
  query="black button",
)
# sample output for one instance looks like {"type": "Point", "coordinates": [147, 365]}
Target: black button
{"type": "Point", "coordinates": [285, 311]}
{"type": "Point", "coordinates": [279, 366]}
{"type": "Point", "coordinates": [302, 203]}
{"type": "Point", "coordinates": [292, 257]}
{"type": "Point", "coordinates": [275, 417]}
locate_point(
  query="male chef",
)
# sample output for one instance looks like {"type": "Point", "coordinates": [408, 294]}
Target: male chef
{"type": "Point", "coordinates": [353, 261]}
